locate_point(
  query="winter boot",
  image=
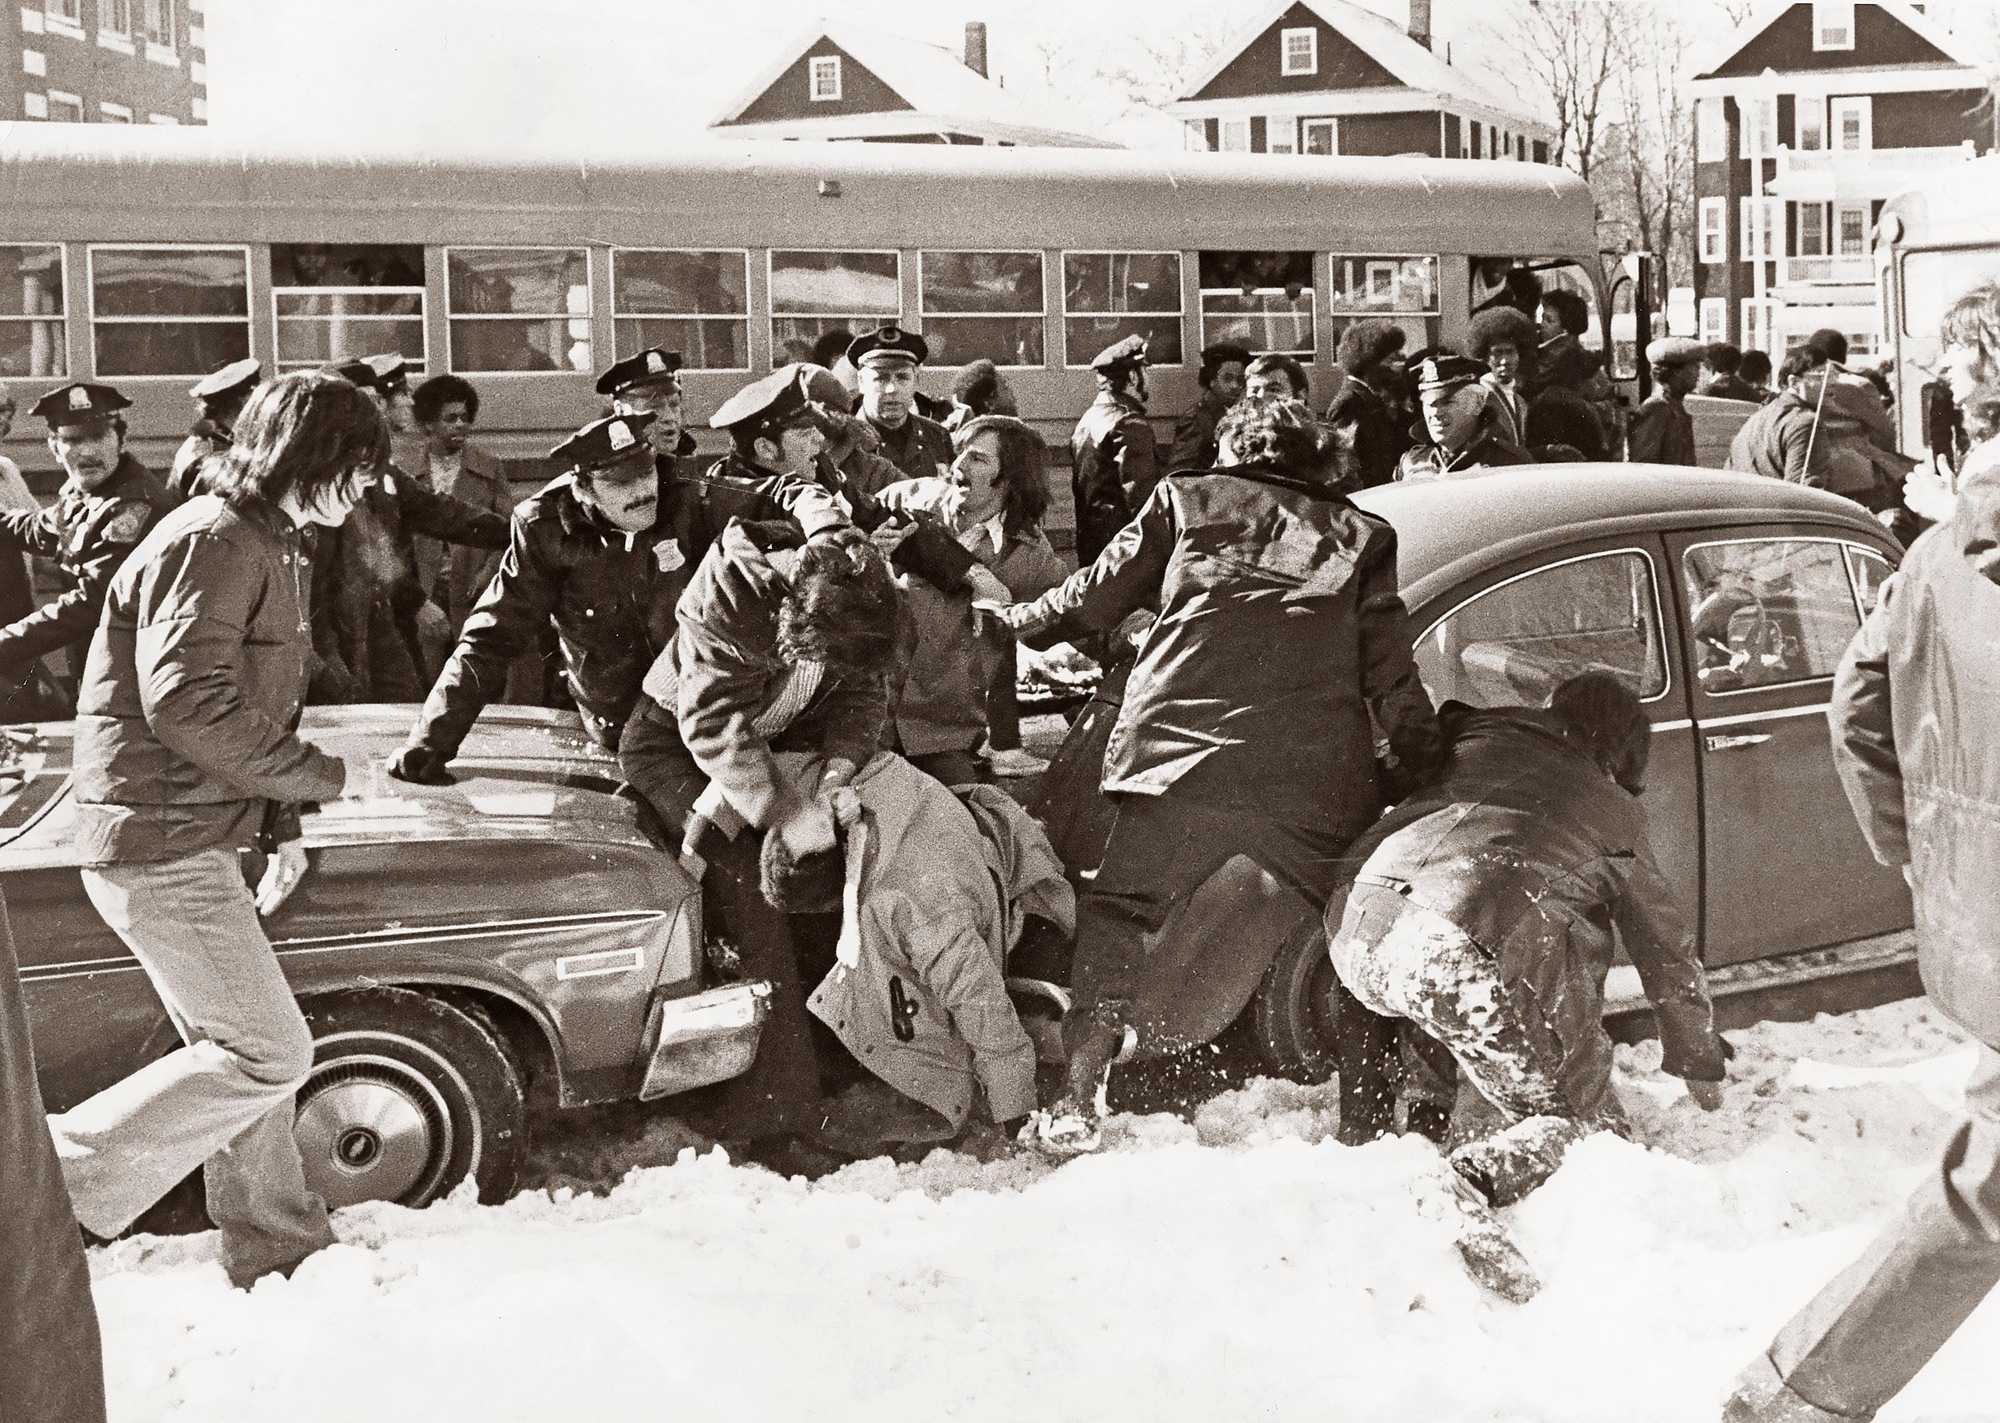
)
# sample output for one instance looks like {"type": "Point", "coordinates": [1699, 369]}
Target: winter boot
{"type": "Point", "coordinates": [1762, 1396]}
{"type": "Point", "coordinates": [1506, 1166]}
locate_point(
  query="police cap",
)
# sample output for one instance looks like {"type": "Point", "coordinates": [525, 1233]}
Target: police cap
{"type": "Point", "coordinates": [886, 344]}
{"type": "Point", "coordinates": [651, 366]}
{"type": "Point", "coordinates": [392, 372]}
{"type": "Point", "coordinates": [605, 441]}
{"type": "Point", "coordinates": [1445, 371]}
{"type": "Point", "coordinates": [1673, 351]}
{"type": "Point", "coordinates": [1127, 353]}
{"type": "Point", "coordinates": [78, 403]}
{"type": "Point", "coordinates": [355, 371]}
{"type": "Point", "coordinates": [237, 376]}
{"type": "Point", "coordinates": [772, 403]}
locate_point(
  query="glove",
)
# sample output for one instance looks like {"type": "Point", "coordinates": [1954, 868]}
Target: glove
{"type": "Point", "coordinates": [421, 766]}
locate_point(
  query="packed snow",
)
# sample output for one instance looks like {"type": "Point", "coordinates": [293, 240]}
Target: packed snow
{"type": "Point", "coordinates": [1236, 1265]}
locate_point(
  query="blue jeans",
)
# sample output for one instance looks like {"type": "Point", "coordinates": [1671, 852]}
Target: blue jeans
{"type": "Point", "coordinates": [224, 1101]}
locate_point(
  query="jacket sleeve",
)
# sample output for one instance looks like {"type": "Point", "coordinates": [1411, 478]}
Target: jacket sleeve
{"type": "Point", "coordinates": [72, 617]}
{"type": "Point", "coordinates": [719, 689]}
{"type": "Point", "coordinates": [31, 531]}
{"type": "Point", "coordinates": [194, 614]}
{"type": "Point", "coordinates": [1864, 731]}
{"type": "Point", "coordinates": [954, 963]}
{"type": "Point", "coordinates": [1125, 578]}
{"type": "Point", "coordinates": [425, 511]}
{"type": "Point", "coordinates": [516, 605]}
{"type": "Point", "coordinates": [1138, 460]}
{"type": "Point", "coordinates": [805, 503]}
{"type": "Point", "coordinates": [1389, 682]}
{"type": "Point", "coordinates": [853, 715]}
{"type": "Point", "coordinates": [1802, 451]}
{"type": "Point", "coordinates": [1662, 949]}
{"type": "Point", "coordinates": [1194, 437]}
{"type": "Point", "coordinates": [1647, 435]}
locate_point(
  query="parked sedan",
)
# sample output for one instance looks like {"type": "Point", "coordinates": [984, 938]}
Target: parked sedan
{"type": "Point", "coordinates": [460, 951]}
{"type": "Point", "coordinates": [1726, 600]}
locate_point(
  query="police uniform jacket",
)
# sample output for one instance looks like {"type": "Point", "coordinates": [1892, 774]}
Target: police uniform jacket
{"type": "Point", "coordinates": [1114, 468]}
{"type": "Point", "coordinates": [1539, 856]}
{"type": "Point", "coordinates": [1194, 434]}
{"type": "Point", "coordinates": [1428, 461]}
{"type": "Point", "coordinates": [1662, 431]}
{"type": "Point", "coordinates": [87, 535]}
{"type": "Point", "coordinates": [204, 441]}
{"type": "Point", "coordinates": [735, 488]}
{"type": "Point", "coordinates": [187, 714]}
{"type": "Point", "coordinates": [1280, 637]}
{"type": "Point", "coordinates": [917, 447]}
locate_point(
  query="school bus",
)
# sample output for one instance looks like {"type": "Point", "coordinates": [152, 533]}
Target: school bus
{"type": "Point", "coordinates": [147, 257]}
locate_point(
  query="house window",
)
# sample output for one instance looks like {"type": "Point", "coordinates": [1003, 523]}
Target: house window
{"type": "Point", "coordinates": [1236, 135]}
{"type": "Point", "coordinates": [1757, 324]}
{"type": "Point", "coordinates": [1853, 122]}
{"type": "Point", "coordinates": [161, 119]}
{"type": "Point", "coordinates": [114, 17]}
{"type": "Point", "coordinates": [1758, 135]}
{"type": "Point", "coordinates": [34, 63]}
{"type": "Point", "coordinates": [1809, 221]}
{"type": "Point", "coordinates": [982, 305]}
{"type": "Point", "coordinates": [65, 14]}
{"type": "Point", "coordinates": [1281, 134]}
{"type": "Point", "coordinates": [337, 300]}
{"type": "Point", "coordinates": [1322, 137]}
{"type": "Point", "coordinates": [33, 335]}
{"type": "Point", "coordinates": [1111, 295]}
{"type": "Point", "coordinates": [65, 108]}
{"type": "Point", "coordinates": [1262, 300]}
{"type": "Point", "coordinates": [1850, 229]}
{"type": "Point", "coordinates": [825, 78]}
{"type": "Point", "coordinates": [1196, 132]}
{"type": "Point", "coordinates": [1810, 123]}
{"type": "Point", "coordinates": [168, 311]}
{"type": "Point", "coordinates": [696, 303]}
{"type": "Point", "coordinates": [35, 106]}
{"type": "Point", "coordinates": [159, 23]}
{"type": "Point", "coordinates": [1763, 232]}
{"type": "Point", "coordinates": [1833, 24]}
{"type": "Point", "coordinates": [813, 293]}
{"type": "Point", "coordinates": [518, 308]}
{"type": "Point", "coordinates": [1714, 319]}
{"type": "Point", "coordinates": [1301, 51]}
{"type": "Point", "coordinates": [113, 114]}
{"type": "Point", "coordinates": [1714, 229]}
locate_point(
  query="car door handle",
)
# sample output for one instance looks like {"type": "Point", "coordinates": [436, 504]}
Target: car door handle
{"type": "Point", "coordinates": [1731, 743]}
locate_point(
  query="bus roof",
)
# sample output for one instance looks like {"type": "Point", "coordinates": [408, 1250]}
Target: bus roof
{"type": "Point", "coordinates": [86, 182]}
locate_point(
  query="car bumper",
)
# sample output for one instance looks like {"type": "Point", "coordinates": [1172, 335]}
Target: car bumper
{"type": "Point", "coordinates": [703, 1038]}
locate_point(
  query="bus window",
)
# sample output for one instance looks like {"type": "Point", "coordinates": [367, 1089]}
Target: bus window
{"type": "Point", "coordinates": [1263, 300]}
{"type": "Point", "coordinates": [518, 308]}
{"type": "Point", "coordinates": [696, 303]}
{"type": "Point", "coordinates": [1932, 281]}
{"type": "Point", "coordinates": [1108, 296]}
{"type": "Point", "coordinates": [816, 292]}
{"type": "Point", "coordinates": [168, 311]}
{"type": "Point", "coordinates": [333, 301]}
{"type": "Point", "coordinates": [32, 336]}
{"type": "Point", "coordinates": [1400, 289]}
{"type": "Point", "coordinates": [982, 305]}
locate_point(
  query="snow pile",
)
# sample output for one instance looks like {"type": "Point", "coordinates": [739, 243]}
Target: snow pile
{"type": "Point", "coordinates": [1237, 1266]}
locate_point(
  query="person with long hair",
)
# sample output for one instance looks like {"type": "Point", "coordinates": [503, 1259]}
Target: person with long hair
{"type": "Point", "coordinates": [187, 753]}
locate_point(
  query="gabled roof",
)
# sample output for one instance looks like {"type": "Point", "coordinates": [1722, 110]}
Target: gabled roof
{"type": "Point", "coordinates": [1382, 40]}
{"type": "Point", "coordinates": [1726, 48]}
{"type": "Point", "coordinates": [940, 90]}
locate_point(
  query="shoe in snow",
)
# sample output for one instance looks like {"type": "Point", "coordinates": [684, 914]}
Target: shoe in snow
{"type": "Point", "coordinates": [1061, 1132]}
{"type": "Point", "coordinates": [1485, 1247]}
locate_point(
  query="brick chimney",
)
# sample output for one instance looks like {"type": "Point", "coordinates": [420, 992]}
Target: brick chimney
{"type": "Point", "coordinates": [1420, 22]}
{"type": "Point", "coordinates": [975, 47]}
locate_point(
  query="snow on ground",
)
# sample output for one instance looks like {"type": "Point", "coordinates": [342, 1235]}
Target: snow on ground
{"type": "Point", "coordinates": [1237, 1266]}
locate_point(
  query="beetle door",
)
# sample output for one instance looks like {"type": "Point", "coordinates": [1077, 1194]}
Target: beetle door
{"type": "Point", "coordinates": [1769, 611]}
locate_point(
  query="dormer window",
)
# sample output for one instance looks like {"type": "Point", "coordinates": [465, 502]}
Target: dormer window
{"type": "Point", "coordinates": [1301, 51]}
{"type": "Point", "coordinates": [825, 77]}
{"type": "Point", "coordinates": [1833, 24]}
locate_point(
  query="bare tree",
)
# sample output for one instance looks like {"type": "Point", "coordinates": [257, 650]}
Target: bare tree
{"type": "Point", "coordinates": [1570, 48]}
{"type": "Point", "coordinates": [1156, 69]}
{"type": "Point", "coordinates": [1647, 198]}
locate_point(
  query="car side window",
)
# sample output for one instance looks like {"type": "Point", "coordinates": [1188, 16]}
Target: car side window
{"type": "Point", "coordinates": [1517, 641]}
{"type": "Point", "coordinates": [1870, 571]}
{"type": "Point", "coordinates": [1766, 612]}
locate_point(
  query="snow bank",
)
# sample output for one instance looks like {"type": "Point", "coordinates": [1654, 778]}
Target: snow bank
{"type": "Point", "coordinates": [1240, 1265]}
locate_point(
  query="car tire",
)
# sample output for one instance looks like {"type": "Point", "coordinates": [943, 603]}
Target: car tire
{"type": "Point", "coordinates": [1294, 1019]}
{"type": "Point", "coordinates": [408, 1096]}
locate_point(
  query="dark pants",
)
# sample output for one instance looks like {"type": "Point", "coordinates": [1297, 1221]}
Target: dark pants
{"type": "Point", "coordinates": [1160, 851]}
{"type": "Point", "coordinates": [51, 1367]}
{"type": "Point", "coordinates": [1003, 703]}
{"type": "Point", "coordinates": [1867, 1333]}
{"type": "Point", "coordinates": [781, 1090]}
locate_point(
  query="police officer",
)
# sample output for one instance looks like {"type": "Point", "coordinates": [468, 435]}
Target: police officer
{"type": "Point", "coordinates": [391, 386]}
{"type": "Point", "coordinates": [649, 382]}
{"type": "Point", "coordinates": [776, 435]}
{"type": "Point", "coordinates": [1662, 431]}
{"type": "Point", "coordinates": [1461, 426]}
{"type": "Point", "coordinates": [1115, 460]}
{"type": "Point", "coordinates": [104, 508]}
{"type": "Point", "coordinates": [218, 397]}
{"type": "Point", "coordinates": [885, 364]}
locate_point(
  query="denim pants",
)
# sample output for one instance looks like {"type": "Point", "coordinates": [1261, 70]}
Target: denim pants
{"type": "Point", "coordinates": [224, 1101]}
{"type": "Point", "coordinates": [1867, 1333]}
{"type": "Point", "coordinates": [51, 1367]}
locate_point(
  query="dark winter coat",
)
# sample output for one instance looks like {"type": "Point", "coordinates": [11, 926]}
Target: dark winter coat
{"type": "Point", "coordinates": [1538, 855]}
{"type": "Point", "coordinates": [1913, 716]}
{"type": "Point", "coordinates": [1115, 464]}
{"type": "Point", "coordinates": [186, 719]}
{"type": "Point", "coordinates": [87, 536]}
{"type": "Point", "coordinates": [1280, 635]}
{"type": "Point", "coordinates": [918, 447]}
{"type": "Point", "coordinates": [1564, 362]}
{"type": "Point", "coordinates": [1662, 431]}
{"type": "Point", "coordinates": [1194, 444]}
{"type": "Point", "coordinates": [1734, 387]}
{"type": "Point", "coordinates": [1378, 430]}
{"type": "Point", "coordinates": [205, 441]}
{"type": "Point", "coordinates": [1778, 441]}
{"type": "Point", "coordinates": [1428, 461]}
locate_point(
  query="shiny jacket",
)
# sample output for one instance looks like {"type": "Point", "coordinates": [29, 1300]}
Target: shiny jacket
{"type": "Point", "coordinates": [1428, 461]}
{"type": "Point", "coordinates": [1281, 642]}
{"type": "Point", "coordinates": [1912, 723]}
{"type": "Point", "coordinates": [1538, 855]}
{"type": "Point", "coordinates": [88, 536]}
{"type": "Point", "coordinates": [735, 488]}
{"type": "Point", "coordinates": [722, 676]}
{"type": "Point", "coordinates": [918, 447]}
{"type": "Point", "coordinates": [1114, 466]}
{"type": "Point", "coordinates": [1662, 431]}
{"type": "Point", "coordinates": [1194, 444]}
{"type": "Point", "coordinates": [187, 715]}
{"type": "Point", "coordinates": [918, 992]}
{"type": "Point", "coordinates": [1377, 431]}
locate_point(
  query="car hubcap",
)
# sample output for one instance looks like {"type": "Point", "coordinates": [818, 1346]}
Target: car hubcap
{"type": "Point", "coordinates": [372, 1129]}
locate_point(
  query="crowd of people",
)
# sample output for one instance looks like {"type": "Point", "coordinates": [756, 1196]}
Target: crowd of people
{"type": "Point", "coordinates": [802, 656]}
